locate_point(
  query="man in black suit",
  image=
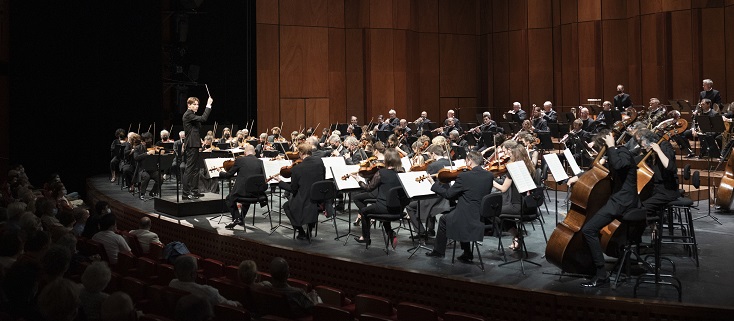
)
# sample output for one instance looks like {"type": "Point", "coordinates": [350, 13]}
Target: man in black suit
{"type": "Point", "coordinates": [451, 115]}
{"type": "Point", "coordinates": [299, 208]}
{"type": "Point", "coordinates": [518, 115]}
{"type": "Point", "coordinates": [624, 198]}
{"type": "Point", "coordinates": [430, 207]}
{"type": "Point", "coordinates": [539, 123]}
{"type": "Point", "coordinates": [463, 223]}
{"type": "Point", "coordinates": [621, 99]}
{"type": "Point", "coordinates": [550, 115]}
{"type": "Point", "coordinates": [710, 93]}
{"type": "Point", "coordinates": [178, 150]}
{"type": "Point", "coordinates": [245, 167]}
{"type": "Point", "coordinates": [421, 123]}
{"type": "Point", "coordinates": [192, 143]}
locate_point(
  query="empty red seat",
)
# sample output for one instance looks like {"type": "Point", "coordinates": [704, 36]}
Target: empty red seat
{"type": "Point", "coordinates": [146, 270]}
{"type": "Point", "coordinates": [335, 297]}
{"type": "Point", "coordinates": [226, 313]}
{"type": "Point", "coordinates": [126, 263]}
{"type": "Point", "coordinates": [373, 317]}
{"type": "Point", "coordinates": [416, 312]}
{"type": "Point", "coordinates": [460, 316]}
{"type": "Point", "coordinates": [325, 312]}
{"type": "Point", "coordinates": [135, 288]}
{"type": "Point", "coordinates": [372, 304]}
{"type": "Point", "coordinates": [212, 268]}
{"type": "Point", "coordinates": [165, 274]}
{"type": "Point", "coordinates": [155, 251]}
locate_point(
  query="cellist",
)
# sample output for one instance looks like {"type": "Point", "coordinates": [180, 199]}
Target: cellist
{"type": "Point", "coordinates": [665, 178]}
{"type": "Point", "coordinates": [624, 197]}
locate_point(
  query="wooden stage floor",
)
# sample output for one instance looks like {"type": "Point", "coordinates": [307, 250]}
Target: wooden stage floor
{"type": "Point", "coordinates": [710, 284]}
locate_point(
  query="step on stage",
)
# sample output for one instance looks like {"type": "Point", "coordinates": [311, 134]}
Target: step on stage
{"type": "Point", "coordinates": [208, 204]}
{"type": "Point", "coordinates": [708, 291]}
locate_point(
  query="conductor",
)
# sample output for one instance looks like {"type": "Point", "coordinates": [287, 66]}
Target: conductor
{"type": "Point", "coordinates": [192, 143]}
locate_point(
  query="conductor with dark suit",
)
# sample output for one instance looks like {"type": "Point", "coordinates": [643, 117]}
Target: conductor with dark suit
{"type": "Point", "coordinates": [245, 167]}
{"type": "Point", "coordinates": [621, 99]}
{"type": "Point", "coordinates": [463, 223]}
{"type": "Point", "coordinates": [710, 93]}
{"type": "Point", "coordinates": [192, 143]}
{"type": "Point", "coordinates": [299, 209]}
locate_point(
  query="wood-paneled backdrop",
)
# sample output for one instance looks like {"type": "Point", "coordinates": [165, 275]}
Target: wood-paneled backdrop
{"type": "Point", "coordinates": [320, 61]}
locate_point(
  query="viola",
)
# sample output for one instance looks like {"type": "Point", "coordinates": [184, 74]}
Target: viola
{"type": "Point", "coordinates": [445, 175]}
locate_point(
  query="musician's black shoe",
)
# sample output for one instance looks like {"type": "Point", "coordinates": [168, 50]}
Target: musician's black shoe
{"type": "Point", "coordinates": [596, 282]}
{"type": "Point", "coordinates": [190, 197]}
{"type": "Point", "coordinates": [434, 254]}
{"type": "Point", "coordinates": [198, 194]}
{"type": "Point", "coordinates": [419, 236]}
{"type": "Point", "coordinates": [233, 224]}
{"type": "Point", "coordinates": [152, 194]}
{"type": "Point", "coordinates": [431, 233]}
{"type": "Point", "coordinates": [363, 241]}
{"type": "Point", "coordinates": [302, 236]}
{"type": "Point", "coordinates": [466, 257]}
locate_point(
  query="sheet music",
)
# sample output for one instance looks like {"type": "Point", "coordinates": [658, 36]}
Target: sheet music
{"type": "Point", "coordinates": [350, 183]}
{"type": "Point", "coordinates": [572, 162]}
{"type": "Point", "coordinates": [235, 150]}
{"type": "Point", "coordinates": [406, 163]}
{"type": "Point", "coordinates": [459, 163]}
{"type": "Point", "coordinates": [332, 161]}
{"type": "Point", "coordinates": [413, 188]}
{"type": "Point", "coordinates": [520, 176]}
{"type": "Point", "coordinates": [272, 167]}
{"type": "Point", "coordinates": [213, 166]}
{"type": "Point", "coordinates": [555, 166]}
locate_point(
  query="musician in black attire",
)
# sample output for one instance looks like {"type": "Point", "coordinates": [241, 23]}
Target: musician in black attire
{"type": "Point", "coordinates": [429, 208]}
{"type": "Point", "coordinates": [621, 99]}
{"type": "Point", "coordinates": [665, 178]}
{"type": "Point", "coordinates": [127, 165]}
{"type": "Point", "coordinates": [576, 141]}
{"type": "Point", "coordinates": [450, 126]}
{"type": "Point", "coordinates": [192, 143]}
{"type": "Point", "coordinates": [140, 153]}
{"type": "Point", "coordinates": [710, 93]}
{"type": "Point", "coordinates": [539, 123]}
{"type": "Point", "coordinates": [707, 140]}
{"type": "Point", "coordinates": [421, 123]}
{"type": "Point", "coordinates": [116, 150]}
{"type": "Point", "coordinates": [179, 164]}
{"type": "Point", "coordinates": [584, 117]}
{"type": "Point", "coordinates": [245, 167]}
{"type": "Point", "coordinates": [548, 113]}
{"type": "Point", "coordinates": [680, 139]}
{"type": "Point", "coordinates": [623, 171]}
{"type": "Point", "coordinates": [488, 126]}
{"type": "Point", "coordinates": [518, 115]}
{"type": "Point", "coordinates": [463, 223]}
{"type": "Point", "coordinates": [452, 115]}
{"type": "Point", "coordinates": [353, 154]}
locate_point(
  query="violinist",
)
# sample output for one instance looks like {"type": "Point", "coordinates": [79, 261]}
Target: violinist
{"type": "Point", "coordinates": [275, 137]}
{"type": "Point", "coordinates": [262, 145]}
{"type": "Point", "coordinates": [458, 144]}
{"type": "Point", "coordinates": [463, 223]}
{"type": "Point", "coordinates": [353, 121]}
{"type": "Point", "coordinates": [115, 152]}
{"type": "Point", "coordinates": [665, 177]}
{"type": "Point", "coordinates": [323, 141]}
{"type": "Point", "coordinates": [241, 139]}
{"type": "Point", "coordinates": [165, 138]}
{"type": "Point", "coordinates": [528, 141]}
{"type": "Point", "coordinates": [359, 199]}
{"type": "Point", "coordinates": [353, 154]}
{"type": "Point", "coordinates": [382, 182]}
{"type": "Point", "coordinates": [226, 136]}
{"type": "Point", "coordinates": [335, 146]}
{"type": "Point", "coordinates": [550, 115]}
{"type": "Point", "coordinates": [208, 145]}
{"type": "Point", "coordinates": [192, 125]}
{"type": "Point", "coordinates": [512, 199]}
{"type": "Point", "coordinates": [245, 167]}
{"type": "Point", "coordinates": [539, 123]}
{"type": "Point", "coordinates": [403, 126]}
{"type": "Point", "coordinates": [431, 207]}
{"type": "Point", "coordinates": [623, 171]}
{"type": "Point", "coordinates": [420, 150]}
{"type": "Point", "coordinates": [140, 153]}
{"type": "Point", "coordinates": [127, 165]}
{"type": "Point", "coordinates": [299, 208]}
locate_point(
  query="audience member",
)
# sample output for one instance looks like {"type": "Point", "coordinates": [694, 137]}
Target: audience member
{"type": "Point", "coordinates": [144, 235]}
{"type": "Point", "coordinates": [113, 243]}
{"type": "Point", "coordinates": [193, 308]}
{"type": "Point", "coordinates": [55, 262]}
{"type": "Point", "coordinates": [35, 247]}
{"type": "Point", "coordinates": [118, 307]}
{"type": "Point", "coordinates": [11, 246]}
{"type": "Point", "coordinates": [185, 269]}
{"type": "Point", "coordinates": [102, 208]}
{"type": "Point", "coordinates": [20, 287]}
{"type": "Point", "coordinates": [94, 280]}
{"type": "Point", "coordinates": [59, 300]}
{"type": "Point", "coordinates": [300, 302]}
{"type": "Point", "coordinates": [247, 273]}
{"type": "Point", "coordinates": [81, 215]}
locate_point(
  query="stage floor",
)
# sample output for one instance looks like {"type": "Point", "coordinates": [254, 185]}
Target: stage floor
{"type": "Point", "coordinates": [709, 284]}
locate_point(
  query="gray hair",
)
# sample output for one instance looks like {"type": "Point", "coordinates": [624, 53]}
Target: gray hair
{"type": "Point", "coordinates": [96, 277]}
{"type": "Point", "coordinates": [708, 82]}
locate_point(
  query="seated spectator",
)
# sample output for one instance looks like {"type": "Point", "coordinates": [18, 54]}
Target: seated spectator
{"type": "Point", "coordinates": [81, 215]}
{"type": "Point", "coordinates": [27, 196]}
{"type": "Point", "coordinates": [59, 300]}
{"type": "Point", "coordinates": [29, 223]}
{"type": "Point", "coordinates": [144, 235]}
{"type": "Point", "coordinates": [247, 273]}
{"type": "Point", "coordinates": [94, 281]}
{"type": "Point", "coordinates": [69, 241]}
{"type": "Point", "coordinates": [20, 288]}
{"type": "Point", "coordinates": [102, 208]}
{"type": "Point", "coordinates": [193, 308]}
{"type": "Point", "coordinates": [11, 246]}
{"type": "Point", "coordinates": [3, 217]}
{"type": "Point", "coordinates": [113, 243]}
{"type": "Point", "coordinates": [300, 302]}
{"type": "Point", "coordinates": [35, 246]}
{"type": "Point", "coordinates": [185, 269]}
{"type": "Point", "coordinates": [14, 211]}
{"type": "Point", "coordinates": [118, 307]}
{"type": "Point", "coordinates": [55, 262]}
{"type": "Point", "coordinates": [58, 194]}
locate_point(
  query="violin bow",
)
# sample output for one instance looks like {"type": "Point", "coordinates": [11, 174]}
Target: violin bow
{"type": "Point", "coordinates": [317, 127]}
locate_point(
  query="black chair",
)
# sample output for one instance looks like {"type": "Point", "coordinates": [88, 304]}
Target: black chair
{"type": "Point", "coordinates": [491, 207]}
{"type": "Point", "coordinates": [397, 200]}
{"type": "Point", "coordinates": [679, 217]}
{"type": "Point", "coordinates": [323, 193]}
{"type": "Point", "coordinates": [634, 222]}
{"type": "Point", "coordinates": [255, 186]}
{"type": "Point", "coordinates": [529, 213]}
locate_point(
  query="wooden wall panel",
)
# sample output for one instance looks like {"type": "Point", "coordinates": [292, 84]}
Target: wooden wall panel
{"type": "Point", "coordinates": [403, 14]}
{"type": "Point", "coordinates": [303, 62]}
{"type": "Point", "coordinates": [540, 14]}
{"type": "Point", "coordinates": [427, 15]}
{"type": "Point", "coordinates": [317, 112]}
{"type": "Point", "coordinates": [458, 65]}
{"type": "Point", "coordinates": [589, 10]}
{"type": "Point", "coordinates": [292, 115]}
{"type": "Point", "coordinates": [380, 84]}
{"type": "Point", "coordinates": [447, 103]}
{"type": "Point", "coordinates": [517, 15]}
{"type": "Point", "coordinates": [570, 65]}
{"type": "Point", "coordinates": [500, 15]}
{"type": "Point", "coordinates": [652, 57]}
{"type": "Point", "coordinates": [540, 65]}
{"type": "Point", "coordinates": [354, 60]}
{"type": "Point", "coordinates": [634, 60]}
{"type": "Point", "coordinates": [590, 67]}
{"type": "Point", "coordinates": [467, 110]}
{"type": "Point", "coordinates": [412, 90]}
{"type": "Point", "coordinates": [501, 66]}
{"type": "Point", "coordinates": [633, 8]}
{"type": "Point", "coordinates": [381, 14]}
{"type": "Point", "coordinates": [429, 73]}
{"type": "Point", "coordinates": [356, 13]}
{"type": "Point", "coordinates": [268, 74]}
{"type": "Point", "coordinates": [312, 13]}
{"type": "Point", "coordinates": [400, 72]}
{"type": "Point", "coordinates": [337, 77]}
{"type": "Point", "coordinates": [266, 11]}
{"type": "Point", "coordinates": [613, 9]}
{"type": "Point", "coordinates": [712, 50]}
{"type": "Point", "coordinates": [518, 64]}
{"type": "Point", "coordinates": [486, 97]}
{"type": "Point", "coordinates": [614, 56]}
{"type": "Point", "coordinates": [336, 13]}
{"type": "Point", "coordinates": [456, 16]}
{"type": "Point", "coordinates": [485, 10]}
{"type": "Point", "coordinates": [681, 54]}
{"type": "Point", "coordinates": [569, 11]}
{"type": "Point", "coordinates": [729, 47]}
{"type": "Point", "coordinates": [674, 5]}
{"type": "Point", "coordinates": [650, 6]}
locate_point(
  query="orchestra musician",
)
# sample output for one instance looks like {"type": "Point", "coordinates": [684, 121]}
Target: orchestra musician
{"type": "Point", "coordinates": [528, 140]}
{"type": "Point", "coordinates": [601, 122]}
{"type": "Point", "coordinates": [381, 125]}
{"type": "Point", "coordinates": [550, 115]}
{"type": "Point", "coordinates": [335, 146]}
{"type": "Point", "coordinates": [141, 152]}
{"type": "Point", "coordinates": [450, 126]}
{"type": "Point", "coordinates": [463, 223]}
{"type": "Point", "coordinates": [383, 181]}
{"type": "Point", "coordinates": [727, 117]}
{"type": "Point", "coordinates": [127, 165]}
{"type": "Point", "coordinates": [192, 143]}
{"type": "Point", "coordinates": [576, 141]}
{"type": "Point", "coordinates": [226, 136]}
{"type": "Point", "coordinates": [262, 145]}
{"type": "Point", "coordinates": [353, 121]}
{"type": "Point", "coordinates": [488, 126]}
{"type": "Point", "coordinates": [165, 138]}
{"type": "Point", "coordinates": [457, 141]}
{"type": "Point", "coordinates": [584, 116]}
{"type": "Point", "coordinates": [421, 123]}
{"type": "Point", "coordinates": [512, 199]}
{"type": "Point", "coordinates": [633, 143]}
{"type": "Point", "coordinates": [359, 199]}
{"type": "Point", "coordinates": [656, 112]}
{"type": "Point", "coordinates": [518, 115]}
{"type": "Point", "coordinates": [539, 123]}
{"type": "Point", "coordinates": [680, 139]}
{"type": "Point", "coordinates": [665, 177]}
{"type": "Point", "coordinates": [117, 145]}
{"type": "Point", "coordinates": [710, 93]}
{"type": "Point", "coordinates": [623, 171]}
{"type": "Point", "coordinates": [275, 135]}
{"type": "Point", "coordinates": [392, 122]}
{"type": "Point", "coordinates": [245, 167]}
{"type": "Point", "coordinates": [429, 208]}
{"type": "Point", "coordinates": [403, 125]}
{"type": "Point", "coordinates": [621, 99]}
{"type": "Point", "coordinates": [450, 114]}
{"type": "Point", "coordinates": [707, 140]}
{"type": "Point", "coordinates": [353, 154]}
{"type": "Point", "coordinates": [208, 144]}
{"type": "Point", "coordinates": [179, 165]}
{"type": "Point", "coordinates": [324, 137]}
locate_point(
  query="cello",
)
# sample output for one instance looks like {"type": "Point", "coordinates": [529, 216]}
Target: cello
{"type": "Point", "coordinates": [566, 247]}
{"type": "Point", "coordinates": [644, 172]}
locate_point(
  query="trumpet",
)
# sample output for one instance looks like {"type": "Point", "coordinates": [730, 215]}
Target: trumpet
{"type": "Point", "coordinates": [419, 120]}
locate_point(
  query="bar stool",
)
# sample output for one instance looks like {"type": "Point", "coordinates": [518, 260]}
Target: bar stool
{"type": "Point", "coordinates": [658, 278]}
{"type": "Point", "coordinates": [680, 217]}
{"type": "Point", "coordinates": [634, 222]}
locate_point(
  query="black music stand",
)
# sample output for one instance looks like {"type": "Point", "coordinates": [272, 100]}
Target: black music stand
{"type": "Point", "coordinates": [470, 139]}
{"type": "Point", "coordinates": [382, 135]}
{"type": "Point", "coordinates": [253, 142]}
{"type": "Point", "coordinates": [167, 146]}
{"type": "Point", "coordinates": [710, 126]}
{"type": "Point", "coordinates": [281, 147]}
{"type": "Point", "coordinates": [342, 128]}
{"type": "Point", "coordinates": [488, 139]}
{"type": "Point", "coordinates": [546, 143]}
{"type": "Point", "coordinates": [223, 146]}
{"type": "Point", "coordinates": [357, 132]}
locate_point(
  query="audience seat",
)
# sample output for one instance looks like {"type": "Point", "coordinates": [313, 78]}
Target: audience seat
{"type": "Point", "coordinates": [165, 273]}
{"type": "Point", "coordinates": [212, 268]}
{"type": "Point", "coordinates": [373, 317]}
{"type": "Point", "coordinates": [269, 302]}
{"type": "Point", "coordinates": [153, 317]}
{"type": "Point", "coordinates": [135, 288]}
{"type": "Point", "coordinates": [230, 272]}
{"type": "Point", "coordinates": [155, 252]}
{"type": "Point", "coordinates": [372, 304]}
{"type": "Point", "coordinates": [114, 283]}
{"type": "Point", "coordinates": [334, 297]}
{"type": "Point", "coordinates": [301, 284]}
{"type": "Point", "coordinates": [93, 247]}
{"type": "Point", "coordinates": [227, 313]}
{"type": "Point", "coordinates": [133, 242]}
{"type": "Point", "coordinates": [233, 291]}
{"type": "Point", "coordinates": [416, 312]}
{"type": "Point", "coordinates": [460, 316]}
{"type": "Point", "coordinates": [126, 263]}
{"type": "Point", "coordinates": [146, 270]}
{"type": "Point", "coordinates": [325, 312]}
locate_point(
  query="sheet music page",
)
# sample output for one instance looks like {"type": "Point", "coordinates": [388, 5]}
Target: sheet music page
{"type": "Point", "coordinates": [332, 161]}
{"type": "Point", "coordinates": [555, 166]}
{"type": "Point", "coordinates": [235, 150]}
{"type": "Point", "coordinates": [572, 162]}
{"type": "Point", "coordinates": [213, 164]}
{"type": "Point", "coordinates": [406, 163]}
{"type": "Point", "coordinates": [351, 182]}
{"type": "Point", "coordinates": [414, 188]}
{"type": "Point", "coordinates": [459, 163]}
{"type": "Point", "coordinates": [272, 167]}
{"type": "Point", "coordinates": [520, 176]}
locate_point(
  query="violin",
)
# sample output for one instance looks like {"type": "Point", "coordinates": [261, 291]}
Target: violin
{"type": "Point", "coordinates": [285, 171]}
{"type": "Point", "coordinates": [445, 175]}
{"type": "Point", "coordinates": [498, 165]}
{"type": "Point", "coordinates": [367, 168]}
{"type": "Point", "coordinates": [292, 155]}
{"type": "Point", "coordinates": [421, 167]}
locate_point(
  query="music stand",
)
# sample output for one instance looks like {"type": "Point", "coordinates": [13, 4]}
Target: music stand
{"type": "Point", "coordinates": [357, 132]}
{"type": "Point", "coordinates": [167, 146]}
{"type": "Point", "coordinates": [271, 168]}
{"type": "Point", "coordinates": [223, 146]}
{"type": "Point", "coordinates": [253, 142]}
{"type": "Point", "coordinates": [507, 127]}
{"type": "Point", "coordinates": [459, 152]}
{"type": "Point", "coordinates": [281, 147]}
{"type": "Point", "coordinates": [470, 139]}
{"type": "Point", "coordinates": [347, 186]}
{"type": "Point", "coordinates": [417, 191]}
{"type": "Point", "coordinates": [382, 135]}
{"type": "Point", "coordinates": [342, 128]}
{"type": "Point", "coordinates": [545, 141]}
{"type": "Point", "coordinates": [487, 139]}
